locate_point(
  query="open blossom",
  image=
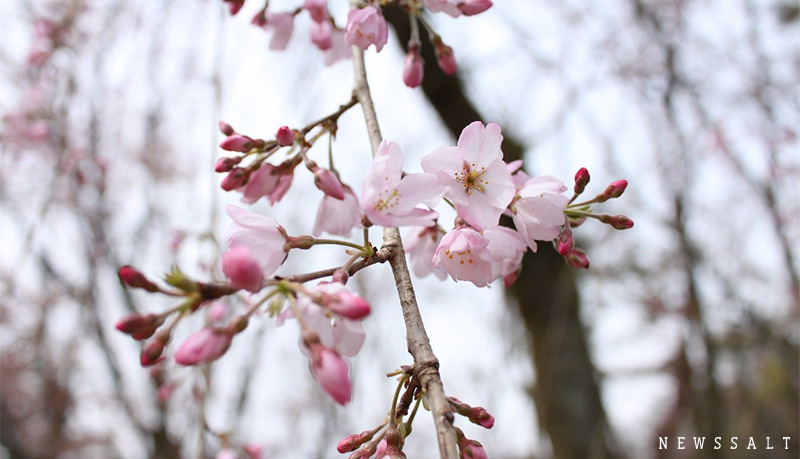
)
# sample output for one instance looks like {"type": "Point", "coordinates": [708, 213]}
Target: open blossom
{"type": "Point", "coordinates": [336, 332]}
{"type": "Point", "coordinates": [366, 26]}
{"type": "Point", "coordinates": [204, 346]}
{"type": "Point", "coordinates": [420, 245]}
{"type": "Point", "coordinates": [538, 209]}
{"type": "Point", "coordinates": [474, 174]}
{"type": "Point", "coordinates": [282, 26]}
{"type": "Point", "coordinates": [389, 199]}
{"type": "Point", "coordinates": [261, 183]}
{"type": "Point", "coordinates": [507, 248]}
{"type": "Point", "coordinates": [336, 216]}
{"type": "Point", "coordinates": [464, 254]}
{"type": "Point", "coordinates": [261, 235]}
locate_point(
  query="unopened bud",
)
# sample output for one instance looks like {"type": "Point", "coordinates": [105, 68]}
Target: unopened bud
{"type": "Point", "coordinates": [619, 222]}
{"type": "Point", "coordinates": [332, 373]}
{"type": "Point", "coordinates": [205, 346]}
{"type": "Point", "coordinates": [473, 7]}
{"type": "Point", "coordinates": [577, 259]}
{"type": "Point", "coordinates": [445, 58]}
{"type": "Point", "coordinates": [225, 164]}
{"type": "Point", "coordinates": [479, 415]}
{"type": "Point", "coordinates": [153, 351]}
{"type": "Point", "coordinates": [285, 136]}
{"type": "Point", "coordinates": [327, 181]}
{"type": "Point", "coordinates": [413, 67]}
{"type": "Point", "coordinates": [236, 178]}
{"type": "Point", "coordinates": [565, 241]}
{"type": "Point", "coordinates": [236, 142]}
{"type": "Point", "coordinates": [242, 269]}
{"type": "Point", "coordinates": [300, 242]}
{"type": "Point", "coordinates": [581, 180]}
{"type": "Point", "coordinates": [260, 18]}
{"type": "Point", "coordinates": [226, 128]}
{"type": "Point", "coordinates": [353, 442]}
{"type": "Point", "coordinates": [131, 277]}
{"type": "Point", "coordinates": [614, 190]}
{"type": "Point", "coordinates": [138, 326]}
{"type": "Point", "coordinates": [234, 6]}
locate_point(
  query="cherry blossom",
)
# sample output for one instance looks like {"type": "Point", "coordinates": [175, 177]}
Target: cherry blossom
{"type": "Point", "coordinates": [336, 216]}
{"type": "Point", "coordinates": [261, 183]}
{"type": "Point", "coordinates": [332, 372]}
{"type": "Point", "coordinates": [464, 254]}
{"type": "Point", "coordinates": [242, 269]}
{"type": "Point", "coordinates": [366, 26]}
{"type": "Point", "coordinates": [263, 237]}
{"type": "Point", "coordinates": [538, 209]}
{"type": "Point", "coordinates": [507, 248]}
{"type": "Point", "coordinates": [420, 245]}
{"type": "Point", "coordinates": [474, 174]}
{"type": "Point", "coordinates": [282, 26]}
{"type": "Point", "coordinates": [389, 199]}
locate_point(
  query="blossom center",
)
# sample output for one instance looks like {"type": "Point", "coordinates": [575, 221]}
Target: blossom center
{"type": "Point", "coordinates": [463, 256]}
{"type": "Point", "coordinates": [387, 201]}
{"type": "Point", "coordinates": [471, 179]}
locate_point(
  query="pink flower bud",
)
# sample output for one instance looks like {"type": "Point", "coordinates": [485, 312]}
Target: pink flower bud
{"type": "Point", "coordinates": [577, 259]}
{"type": "Point", "coordinates": [226, 128]}
{"type": "Point", "coordinates": [348, 304]}
{"type": "Point", "coordinates": [254, 451]}
{"type": "Point", "coordinates": [471, 449]}
{"type": "Point", "coordinates": [581, 180]}
{"type": "Point", "coordinates": [332, 373]}
{"type": "Point", "coordinates": [413, 68]}
{"type": "Point", "coordinates": [235, 179]}
{"type": "Point", "coordinates": [225, 164]}
{"type": "Point", "coordinates": [204, 346]}
{"type": "Point", "coordinates": [234, 6]}
{"type": "Point", "coordinates": [242, 269]}
{"type": "Point", "coordinates": [153, 350]}
{"type": "Point", "coordinates": [445, 58]}
{"type": "Point", "coordinates": [259, 20]}
{"type": "Point", "coordinates": [614, 190]}
{"type": "Point", "coordinates": [285, 136]}
{"type": "Point", "coordinates": [473, 7]}
{"type": "Point", "coordinates": [138, 326]}
{"type": "Point", "coordinates": [479, 415]}
{"type": "Point", "coordinates": [318, 9]}
{"type": "Point", "coordinates": [131, 277]}
{"type": "Point", "coordinates": [389, 447]}
{"type": "Point", "coordinates": [321, 34]}
{"type": "Point", "coordinates": [352, 442]}
{"type": "Point", "coordinates": [619, 222]}
{"type": "Point", "coordinates": [326, 181]}
{"type": "Point", "coordinates": [236, 142]}
{"type": "Point", "coordinates": [565, 241]}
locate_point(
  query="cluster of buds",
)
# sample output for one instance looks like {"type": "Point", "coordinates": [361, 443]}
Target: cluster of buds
{"type": "Point", "coordinates": [578, 213]}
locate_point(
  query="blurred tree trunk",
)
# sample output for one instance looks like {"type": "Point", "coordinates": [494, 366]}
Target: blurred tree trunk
{"type": "Point", "coordinates": [566, 393]}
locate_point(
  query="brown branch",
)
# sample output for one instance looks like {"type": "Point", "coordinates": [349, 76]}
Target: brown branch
{"type": "Point", "coordinates": [426, 365]}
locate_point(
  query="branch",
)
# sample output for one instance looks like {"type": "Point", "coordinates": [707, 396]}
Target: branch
{"type": "Point", "coordinates": [426, 365]}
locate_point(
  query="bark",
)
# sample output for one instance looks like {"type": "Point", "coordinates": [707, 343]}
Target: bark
{"type": "Point", "coordinates": [567, 394]}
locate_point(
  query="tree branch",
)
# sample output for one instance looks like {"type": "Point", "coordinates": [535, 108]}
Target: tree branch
{"type": "Point", "coordinates": [426, 365]}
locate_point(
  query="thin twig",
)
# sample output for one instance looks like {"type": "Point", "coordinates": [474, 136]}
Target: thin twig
{"type": "Point", "coordinates": [426, 365]}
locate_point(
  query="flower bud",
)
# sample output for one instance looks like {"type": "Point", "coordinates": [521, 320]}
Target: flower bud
{"type": "Point", "coordinates": [471, 449]}
{"type": "Point", "coordinates": [347, 304]}
{"type": "Point", "coordinates": [619, 222]}
{"type": "Point", "coordinates": [234, 6]}
{"type": "Point", "coordinates": [138, 326]}
{"type": "Point", "coordinates": [413, 67]}
{"type": "Point", "coordinates": [226, 128]}
{"type": "Point", "coordinates": [473, 7]}
{"type": "Point", "coordinates": [236, 142]}
{"type": "Point", "coordinates": [242, 269]}
{"type": "Point", "coordinates": [327, 181]}
{"type": "Point", "coordinates": [614, 190]}
{"type": "Point", "coordinates": [479, 415]}
{"type": "Point", "coordinates": [225, 164]}
{"type": "Point", "coordinates": [577, 258]}
{"type": "Point", "coordinates": [204, 346]}
{"type": "Point", "coordinates": [332, 373]}
{"type": "Point", "coordinates": [352, 442]}
{"type": "Point", "coordinates": [321, 34]}
{"type": "Point", "coordinates": [445, 58]}
{"type": "Point", "coordinates": [285, 136]}
{"type": "Point", "coordinates": [318, 9]}
{"type": "Point", "coordinates": [131, 277]}
{"type": "Point", "coordinates": [253, 450]}
{"type": "Point", "coordinates": [235, 179]}
{"type": "Point", "coordinates": [565, 241]}
{"type": "Point", "coordinates": [259, 20]}
{"type": "Point", "coordinates": [581, 180]}
{"type": "Point", "coordinates": [153, 351]}
{"type": "Point", "coordinates": [511, 278]}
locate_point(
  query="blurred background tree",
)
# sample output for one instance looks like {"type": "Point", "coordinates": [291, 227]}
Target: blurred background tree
{"type": "Point", "coordinates": [685, 325]}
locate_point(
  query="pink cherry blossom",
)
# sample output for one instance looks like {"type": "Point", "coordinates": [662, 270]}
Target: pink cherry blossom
{"type": "Point", "coordinates": [366, 26]}
{"type": "Point", "coordinates": [336, 216]}
{"type": "Point", "coordinates": [263, 237]}
{"type": "Point", "coordinates": [538, 209]}
{"type": "Point", "coordinates": [204, 346]}
{"type": "Point", "coordinates": [474, 174]}
{"type": "Point", "coordinates": [507, 248]}
{"type": "Point", "coordinates": [261, 183]}
{"type": "Point", "coordinates": [464, 254]}
{"type": "Point", "coordinates": [420, 245]}
{"type": "Point", "coordinates": [282, 26]}
{"type": "Point", "coordinates": [389, 199]}
{"type": "Point", "coordinates": [242, 269]}
{"type": "Point", "coordinates": [329, 183]}
{"type": "Point", "coordinates": [332, 372]}
{"type": "Point", "coordinates": [473, 7]}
